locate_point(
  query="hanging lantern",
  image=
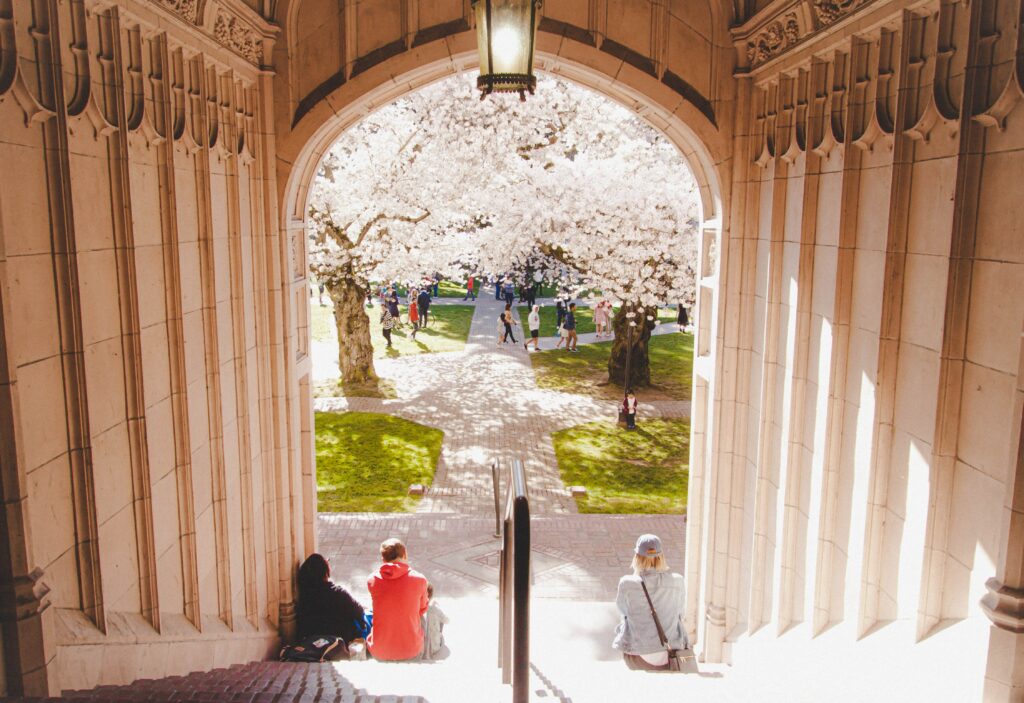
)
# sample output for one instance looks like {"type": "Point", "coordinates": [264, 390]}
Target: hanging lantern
{"type": "Point", "coordinates": [506, 32]}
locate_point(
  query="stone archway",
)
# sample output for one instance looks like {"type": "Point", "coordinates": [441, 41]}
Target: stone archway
{"type": "Point", "coordinates": [691, 127]}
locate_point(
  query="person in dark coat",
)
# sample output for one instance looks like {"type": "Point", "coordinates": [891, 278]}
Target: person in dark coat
{"type": "Point", "coordinates": [423, 306]}
{"type": "Point", "coordinates": [324, 607]}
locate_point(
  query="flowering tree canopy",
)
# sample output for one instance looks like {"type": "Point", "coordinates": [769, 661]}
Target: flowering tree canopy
{"type": "Point", "coordinates": [569, 184]}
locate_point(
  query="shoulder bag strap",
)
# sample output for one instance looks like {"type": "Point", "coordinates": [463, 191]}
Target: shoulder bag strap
{"type": "Point", "coordinates": [654, 614]}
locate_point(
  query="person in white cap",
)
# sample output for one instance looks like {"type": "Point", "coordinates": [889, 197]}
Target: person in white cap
{"type": "Point", "coordinates": [637, 635]}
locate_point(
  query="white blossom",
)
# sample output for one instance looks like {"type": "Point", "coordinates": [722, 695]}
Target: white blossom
{"type": "Point", "coordinates": [568, 184]}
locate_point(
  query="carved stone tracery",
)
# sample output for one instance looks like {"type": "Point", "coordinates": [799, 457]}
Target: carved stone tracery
{"type": "Point", "coordinates": [239, 37]}
{"type": "Point", "coordinates": [773, 39]}
{"type": "Point", "coordinates": [186, 9]}
{"type": "Point", "coordinates": [828, 11]}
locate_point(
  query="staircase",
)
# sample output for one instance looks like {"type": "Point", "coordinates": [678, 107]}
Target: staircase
{"type": "Point", "coordinates": [259, 682]}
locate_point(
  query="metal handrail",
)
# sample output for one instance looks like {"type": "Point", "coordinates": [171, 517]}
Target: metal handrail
{"type": "Point", "coordinates": [514, 588]}
{"type": "Point", "coordinates": [496, 483]}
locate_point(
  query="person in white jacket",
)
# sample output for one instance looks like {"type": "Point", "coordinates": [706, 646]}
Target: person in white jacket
{"type": "Point", "coordinates": [533, 320]}
{"type": "Point", "coordinates": [637, 635]}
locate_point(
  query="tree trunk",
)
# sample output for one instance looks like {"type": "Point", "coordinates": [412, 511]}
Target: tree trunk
{"type": "Point", "coordinates": [630, 346]}
{"type": "Point", "coordinates": [355, 351]}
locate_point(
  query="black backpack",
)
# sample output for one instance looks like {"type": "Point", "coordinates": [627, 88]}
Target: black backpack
{"type": "Point", "coordinates": [315, 648]}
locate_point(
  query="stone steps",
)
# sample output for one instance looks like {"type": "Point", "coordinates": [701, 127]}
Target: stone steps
{"type": "Point", "coordinates": [258, 682]}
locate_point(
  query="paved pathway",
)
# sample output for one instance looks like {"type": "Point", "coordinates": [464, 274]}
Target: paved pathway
{"type": "Point", "coordinates": [487, 402]}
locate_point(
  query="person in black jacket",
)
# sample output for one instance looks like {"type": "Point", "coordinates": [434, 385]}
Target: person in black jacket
{"type": "Point", "coordinates": [324, 607]}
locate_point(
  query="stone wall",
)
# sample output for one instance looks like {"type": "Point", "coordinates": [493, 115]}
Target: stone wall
{"type": "Point", "coordinates": [874, 297]}
{"type": "Point", "coordinates": [859, 380]}
{"type": "Point", "coordinates": [145, 403]}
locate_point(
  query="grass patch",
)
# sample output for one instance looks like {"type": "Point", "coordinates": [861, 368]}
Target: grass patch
{"type": "Point", "coordinates": [549, 316]}
{"type": "Point", "coordinates": [645, 471]}
{"type": "Point", "coordinates": [365, 462]}
{"type": "Point", "coordinates": [586, 372]}
{"type": "Point", "coordinates": [456, 289]}
{"type": "Point", "coordinates": [448, 330]}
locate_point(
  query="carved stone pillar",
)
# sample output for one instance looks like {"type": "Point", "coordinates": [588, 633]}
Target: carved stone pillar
{"type": "Point", "coordinates": [1004, 603]}
{"type": "Point", "coordinates": [27, 641]}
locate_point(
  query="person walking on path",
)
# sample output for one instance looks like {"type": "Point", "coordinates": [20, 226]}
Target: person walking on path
{"type": "Point", "coordinates": [650, 591]}
{"type": "Point", "coordinates": [437, 284]}
{"type": "Point", "coordinates": [569, 324]}
{"type": "Point", "coordinates": [496, 280]}
{"type": "Point", "coordinates": [387, 323]}
{"type": "Point", "coordinates": [510, 292]}
{"type": "Point", "coordinates": [533, 319]}
{"type": "Point", "coordinates": [399, 596]}
{"type": "Point", "coordinates": [470, 293]}
{"type": "Point", "coordinates": [601, 318]}
{"type": "Point", "coordinates": [423, 306]}
{"type": "Point", "coordinates": [509, 320]}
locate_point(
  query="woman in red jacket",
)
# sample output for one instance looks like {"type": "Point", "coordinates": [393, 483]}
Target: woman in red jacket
{"type": "Point", "coordinates": [400, 600]}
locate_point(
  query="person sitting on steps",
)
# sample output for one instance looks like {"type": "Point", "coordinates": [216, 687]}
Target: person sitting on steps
{"type": "Point", "coordinates": [435, 622]}
{"type": "Point", "coordinates": [399, 596]}
{"type": "Point", "coordinates": [324, 607]}
{"type": "Point", "coordinates": [637, 635]}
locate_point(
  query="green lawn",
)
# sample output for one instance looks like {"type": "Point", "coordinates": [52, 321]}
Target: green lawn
{"type": "Point", "coordinates": [365, 462]}
{"type": "Point", "coordinates": [448, 330]}
{"type": "Point", "coordinates": [644, 471]}
{"type": "Point", "coordinates": [456, 289]}
{"type": "Point", "coordinates": [586, 372]}
{"type": "Point", "coordinates": [548, 316]}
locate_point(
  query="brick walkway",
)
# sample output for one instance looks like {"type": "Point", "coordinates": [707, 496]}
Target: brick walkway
{"type": "Point", "coordinates": [579, 557]}
{"type": "Point", "coordinates": [488, 404]}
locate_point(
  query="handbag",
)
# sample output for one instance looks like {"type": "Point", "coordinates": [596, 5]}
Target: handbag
{"type": "Point", "coordinates": [673, 654]}
{"type": "Point", "coordinates": [316, 648]}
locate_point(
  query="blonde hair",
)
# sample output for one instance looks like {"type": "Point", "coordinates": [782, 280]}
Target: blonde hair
{"type": "Point", "coordinates": [643, 563]}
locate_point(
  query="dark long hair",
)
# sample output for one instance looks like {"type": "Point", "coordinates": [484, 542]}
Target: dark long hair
{"type": "Point", "coordinates": [312, 574]}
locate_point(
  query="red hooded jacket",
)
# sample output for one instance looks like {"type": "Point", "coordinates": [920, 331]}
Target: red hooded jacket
{"type": "Point", "coordinates": [399, 597]}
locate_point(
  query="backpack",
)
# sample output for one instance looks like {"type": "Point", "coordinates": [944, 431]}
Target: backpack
{"type": "Point", "coordinates": [315, 648]}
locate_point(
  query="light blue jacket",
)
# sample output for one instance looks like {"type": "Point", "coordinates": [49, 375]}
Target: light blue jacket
{"type": "Point", "coordinates": [636, 633]}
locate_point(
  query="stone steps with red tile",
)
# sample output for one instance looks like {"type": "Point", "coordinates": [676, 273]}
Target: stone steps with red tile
{"type": "Point", "coordinates": [258, 682]}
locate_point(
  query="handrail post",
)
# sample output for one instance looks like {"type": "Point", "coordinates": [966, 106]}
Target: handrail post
{"type": "Point", "coordinates": [514, 587]}
{"type": "Point", "coordinates": [521, 585]}
{"type": "Point", "coordinates": [496, 482]}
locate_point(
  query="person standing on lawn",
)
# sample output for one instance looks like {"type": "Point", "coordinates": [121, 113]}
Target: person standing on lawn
{"type": "Point", "coordinates": [423, 306]}
{"type": "Point", "coordinates": [629, 409]}
{"type": "Point", "coordinates": [414, 314]}
{"type": "Point", "coordinates": [470, 293]}
{"type": "Point", "coordinates": [559, 312]}
{"type": "Point", "coordinates": [387, 323]}
{"type": "Point", "coordinates": [569, 324]}
{"type": "Point", "coordinates": [399, 596]}
{"type": "Point", "coordinates": [533, 319]}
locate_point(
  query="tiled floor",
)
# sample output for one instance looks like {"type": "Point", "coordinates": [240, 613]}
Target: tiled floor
{"type": "Point", "coordinates": [578, 557]}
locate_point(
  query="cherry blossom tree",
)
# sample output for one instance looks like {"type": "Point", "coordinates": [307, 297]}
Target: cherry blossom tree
{"type": "Point", "coordinates": [568, 184]}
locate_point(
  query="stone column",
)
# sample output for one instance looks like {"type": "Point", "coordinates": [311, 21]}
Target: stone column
{"type": "Point", "coordinates": [1004, 603]}
{"type": "Point", "coordinates": [27, 646]}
